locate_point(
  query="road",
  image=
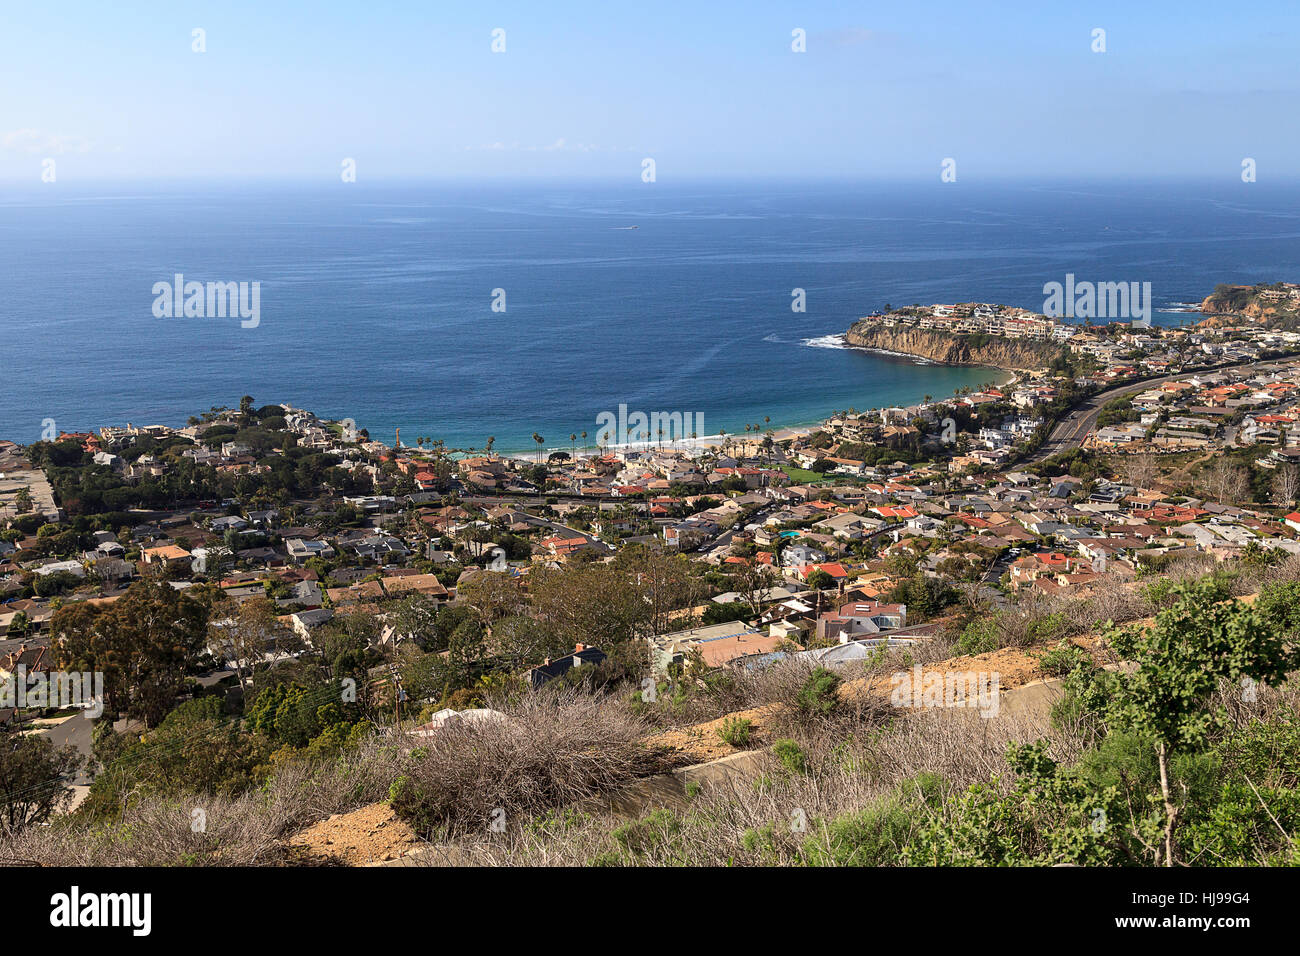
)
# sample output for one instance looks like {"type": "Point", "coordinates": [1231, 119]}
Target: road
{"type": "Point", "coordinates": [720, 546]}
{"type": "Point", "coordinates": [1074, 428]}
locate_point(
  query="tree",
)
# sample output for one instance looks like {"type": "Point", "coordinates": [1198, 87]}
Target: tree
{"type": "Point", "coordinates": [145, 644]}
{"type": "Point", "coordinates": [1286, 484]}
{"type": "Point", "coordinates": [1194, 644]}
{"type": "Point", "coordinates": [465, 651]}
{"type": "Point", "coordinates": [754, 583]}
{"type": "Point", "coordinates": [524, 640]}
{"type": "Point", "coordinates": [492, 595]}
{"type": "Point", "coordinates": [972, 595]}
{"type": "Point", "coordinates": [248, 635]}
{"type": "Point", "coordinates": [820, 580]}
{"type": "Point", "coordinates": [1140, 469]}
{"type": "Point", "coordinates": [195, 749]}
{"type": "Point", "coordinates": [1227, 483]}
{"type": "Point", "coordinates": [32, 779]}
{"type": "Point", "coordinates": [593, 603]}
{"type": "Point", "coordinates": [664, 582]}
{"type": "Point", "coordinates": [415, 618]}
{"type": "Point", "coordinates": [430, 627]}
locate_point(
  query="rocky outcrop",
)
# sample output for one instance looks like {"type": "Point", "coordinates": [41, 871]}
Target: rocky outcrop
{"type": "Point", "coordinates": [945, 348]}
{"type": "Point", "coordinates": [1214, 305]}
{"type": "Point", "coordinates": [1264, 304]}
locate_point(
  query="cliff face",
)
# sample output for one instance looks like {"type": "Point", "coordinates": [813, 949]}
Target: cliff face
{"type": "Point", "coordinates": [1221, 304]}
{"type": "Point", "coordinates": [992, 351]}
{"type": "Point", "coordinates": [1227, 305]}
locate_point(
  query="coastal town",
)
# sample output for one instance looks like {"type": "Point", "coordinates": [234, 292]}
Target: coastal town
{"type": "Point", "coordinates": [428, 575]}
{"type": "Point", "coordinates": [709, 447]}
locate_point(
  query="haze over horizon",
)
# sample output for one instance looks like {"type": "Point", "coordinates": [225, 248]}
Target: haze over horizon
{"type": "Point", "coordinates": [583, 91]}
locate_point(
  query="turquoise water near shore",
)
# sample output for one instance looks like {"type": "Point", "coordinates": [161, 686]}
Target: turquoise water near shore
{"type": "Point", "coordinates": [376, 300]}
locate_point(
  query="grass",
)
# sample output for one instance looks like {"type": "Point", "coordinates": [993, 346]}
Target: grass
{"type": "Point", "coordinates": [803, 476]}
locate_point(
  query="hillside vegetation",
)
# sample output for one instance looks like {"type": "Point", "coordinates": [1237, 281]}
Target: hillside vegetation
{"type": "Point", "coordinates": [1175, 739]}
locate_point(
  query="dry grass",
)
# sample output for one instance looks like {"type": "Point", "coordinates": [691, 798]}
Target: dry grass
{"type": "Point", "coordinates": [555, 749]}
{"type": "Point", "coordinates": [781, 818]}
{"type": "Point", "coordinates": [201, 829]}
{"type": "Point", "coordinates": [776, 818]}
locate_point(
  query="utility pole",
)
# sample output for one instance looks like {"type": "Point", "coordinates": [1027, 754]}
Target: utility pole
{"type": "Point", "coordinates": [399, 695]}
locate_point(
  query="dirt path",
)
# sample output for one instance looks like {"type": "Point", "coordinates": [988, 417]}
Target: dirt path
{"type": "Point", "coordinates": [701, 742]}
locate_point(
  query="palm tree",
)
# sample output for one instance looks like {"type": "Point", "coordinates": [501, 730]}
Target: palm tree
{"type": "Point", "coordinates": [540, 441]}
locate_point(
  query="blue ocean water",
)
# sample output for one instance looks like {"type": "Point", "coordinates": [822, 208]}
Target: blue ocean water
{"type": "Point", "coordinates": [376, 300]}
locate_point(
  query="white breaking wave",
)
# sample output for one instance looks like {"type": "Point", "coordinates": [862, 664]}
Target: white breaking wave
{"type": "Point", "coordinates": [838, 341]}
{"type": "Point", "coordinates": [835, 341]}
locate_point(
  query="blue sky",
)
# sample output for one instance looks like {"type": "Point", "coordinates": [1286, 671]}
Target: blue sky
{"type": "Point", "coordinates": [288, 89]}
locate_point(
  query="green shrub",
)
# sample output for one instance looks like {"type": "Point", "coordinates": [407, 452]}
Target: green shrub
{"type": "Point", "coordinates": [879, 834]}
{"type": "Point", "coordinates": [735, 731]}
{"type": "Point", "coordinates": [979, 637]}
{"type": "Point", "coordinates": [1280, 605]}
{"type": "Point", "coordinates": [818, 696]}
{"type": "Point", "coordinates": [791, 756]}
{"type": "Point", "coordinates": [408, 801]}
{"type": "Point", "coordinates": [1087, 692]}
{"type": "Point", "coordinates": [1060, 660]}
{"type": "Point", "coordinates": [875, 836]}
{"type": "Point", "coordinates": [1047, 628]}
{"type": "Point", "coordinates": [656, 829]}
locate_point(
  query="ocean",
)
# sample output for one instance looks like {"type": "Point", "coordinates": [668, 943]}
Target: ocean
{"type": "Point", "coordinates": [376, 300]}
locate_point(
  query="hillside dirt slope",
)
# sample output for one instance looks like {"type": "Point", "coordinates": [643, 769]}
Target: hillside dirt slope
{"type": "Point", "coordinates": [373, 834]}
{"type": "Point", "coordinates": [369, 834]}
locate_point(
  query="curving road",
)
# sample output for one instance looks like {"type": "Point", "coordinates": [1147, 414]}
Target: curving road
{"type": "Point", "coordinates": [1074, 427]}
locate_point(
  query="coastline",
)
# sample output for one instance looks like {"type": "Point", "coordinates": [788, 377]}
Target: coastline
{"type": "Point", "coordinates": [781, 431]}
